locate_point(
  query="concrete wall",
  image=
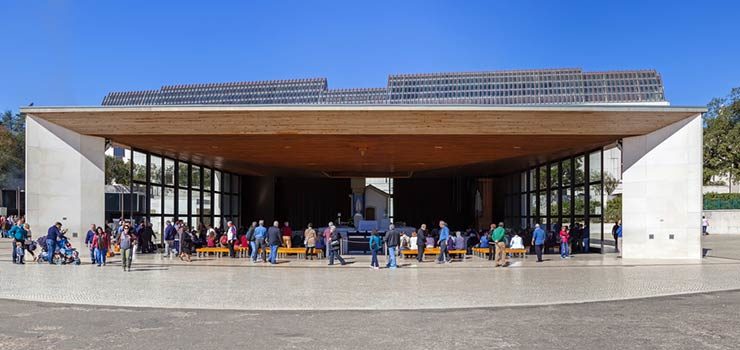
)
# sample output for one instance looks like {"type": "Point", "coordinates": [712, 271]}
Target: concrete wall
{"type": "Point", "coordinates": [662, 192]}
{"type": "Point", "coordinates": [723, 221]}
{"type": "Point", "coordinates": [65, 179]}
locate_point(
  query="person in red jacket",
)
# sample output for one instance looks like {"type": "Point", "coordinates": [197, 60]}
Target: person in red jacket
{"type": "Point", "coordinates": [101, 242]}
{"type": "Point", "coordinates": [564, 239]}
{"type": "Point", "coordinates": [287, 233]}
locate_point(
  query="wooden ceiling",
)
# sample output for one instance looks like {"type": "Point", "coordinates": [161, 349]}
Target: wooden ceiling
{"type": "Point", "coordinates": [347, 141]}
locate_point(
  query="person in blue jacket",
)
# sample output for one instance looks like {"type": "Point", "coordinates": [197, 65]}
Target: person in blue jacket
{"type": "Point", "coordinates": [444, 235]}
{"type": "Point", "coordinates": [375, 246]}
{"type": "Point", "coordinates": [259, 241]}
{"type": "Point", "coordinates": [51, 239]}
{"type": "Point", "coordinates": [18, 234]}
{"type": "Point", "coordinates": [89, 242]}
{"type": "Point", "coordinates": [538, 241]}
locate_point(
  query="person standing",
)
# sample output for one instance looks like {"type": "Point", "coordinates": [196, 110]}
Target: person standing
{"type": "Point", "coordinates": [334, 245]}
{"type": "Point", "coordinates": [444, 235]}
{"type": "Point", "coordinates": [287, 234]}
{"type": "Point", "coordinates": [89, 242]}
{"type": "Point", "coordinates": [327, 235]}
{"type": "Point", "coordinates": [169, 238]}
{"type": "Point", "coordinates": [101, 246]}
{"type": "Point", "coordinates": [564, 239]}
{"type": "Point", "coordinates": [392, 239]}
{"type": "Point", "coordinates": [498, 238]}
{"type": "Point", "coordinates": [619, 239]}
{"type": "Point", "coordinates": [704, 225]}
{"type": "Point", "coordinates": [125, 241]}
{"type": "Point", "coordinates": [51, 240]}
{"type": "Point", "coordinates": [231, 238]}
{"type": "Point", "coordinates": [19, 235]}
{"type": "Point", "coordinates": [249, 235]}
{"type": "Point", "coordinates": [491, 246]}
{"type": "Point", "coordinates": [421, 237]}
{"type": "Point", "coordinates": [274, 239]}
{"type": "Point", "coordinates": [309, 240]}
{"type": "Point", "coordinates": [538, 241]}
{"type": "Point", "coordinates": [259, 241]}
{"type": "Point", "coordinates": [614, 234]}
{"type": "Point", "coordinates": [375, 246]}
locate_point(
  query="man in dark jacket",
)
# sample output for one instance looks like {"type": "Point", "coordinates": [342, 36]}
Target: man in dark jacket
{"type": "Point", "coordinates": [392, 239]}
{"type": "Point", "coordinates": [169, 238]}
{"type": "Point", "coordinates": [421, 242]}
{"type": "Point", "coordinates": [274, 239]}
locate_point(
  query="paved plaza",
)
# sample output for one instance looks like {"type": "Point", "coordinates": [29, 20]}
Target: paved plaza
{"type": "Point", "coordinates": [237, 284]}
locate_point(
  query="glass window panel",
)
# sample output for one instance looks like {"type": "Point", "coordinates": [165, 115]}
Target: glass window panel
{"type": "Point", "coordinates": [169, 172]}
{"type": "Point", "coordinates": [183, 174]}
{"type": "Point", "coordinates": [227, 183]}
{"type": "Point", "coordinates": [533, 204]}
{"type": "Point", "coordinates": [543, 203]}
{"type": "Point", "coordinates": [139, 166]}
{"type": "Point", "coordinates": [234, 205]}
{"type": "Point", "coordinates": [206, 203]}
{"type": "Point", "coordinates": [566, 201]}
{"type": "Point", "coordinates": [554, 183]}
{"type": "Point", "coordinates": [169, 200]}
{"type": "Point", "coordinates": [594, 232]}
{"type": "Point", "coordinates": [594, 166]}
{"type": "Point", "coordinates": [195, 176]}
{"type": "Point", "coordinates": [226, 204]}
{"type": "Point", "coordinates": [155, 169]}
{"type": "Point", "coordinates": [543, 177]}
{"type": "Point", "coordinates": [532, 182]}
{"type": "Point", "coordinates": [554, 203]}
{"type": "Point", "coordinates": [194, 222]}
{"type": "Point", "coordinates": [155, 200]}
{"type": "Point", "coordinates": [182, 202]}
{"type": "Point", "coordinates": [580, 170]}
{"type": "Point", "coordinates": [206, 179]}
{"type": "Point", "coordinates": [523, 204]}
{"type": "Point", "coordinates": [216, 204]}
{"type": "Point", "coordinates": [524, 181]}
{"type": "Point", "coordinates": [580, 200]}
{"type": "Point", "coordinates": [208, 221]}
{"type": "Point", "coordinates": [594, 202]}
{"type": "Point", "coordinates": [195, 202]}
{"type": "Point", "coordinates": [156, 222]}
{"type": "Point", "coordinates": [140, 195]}
{"type": "Point", "coordinates": [565, 178]}
{"type": "Point", "coordinates": [235, 184]}
{"type": "Point", "coordinates": [217, 181]}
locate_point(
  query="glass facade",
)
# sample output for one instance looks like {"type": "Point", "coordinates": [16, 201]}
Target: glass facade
{"type": "Point", "coordinates": [562, 192]}
{"type": "Point", "coordinates": [169, 189]}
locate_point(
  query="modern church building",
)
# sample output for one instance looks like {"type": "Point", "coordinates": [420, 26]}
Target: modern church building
{"type": "Point", "coordinates": [554, 147]}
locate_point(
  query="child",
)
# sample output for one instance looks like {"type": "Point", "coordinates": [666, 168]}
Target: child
{"type": "Point", "coordinates": [19, 251]}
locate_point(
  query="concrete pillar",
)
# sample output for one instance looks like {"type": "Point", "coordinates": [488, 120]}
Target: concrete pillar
{"type": "Point", "coordinates": [65, 179]}
{"type": "Point", "coordinates": [662, 192]}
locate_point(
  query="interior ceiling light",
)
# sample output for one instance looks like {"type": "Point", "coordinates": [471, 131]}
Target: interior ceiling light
{"type": "Point", "coordinates": [438, 147]}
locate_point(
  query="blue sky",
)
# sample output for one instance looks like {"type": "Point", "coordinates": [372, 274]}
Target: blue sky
{"type": "Point", "coordinates": [74, 52]}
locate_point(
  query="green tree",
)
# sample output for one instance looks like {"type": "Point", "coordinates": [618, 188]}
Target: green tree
{"type": "Point", "coordinates": [613, 210]}
{"type": "Point", "coordinates": [12, 148]}
{"type": "Point", "coordinates": [722, 138]}
{"type": "Point", "coordinates": [118, 170]}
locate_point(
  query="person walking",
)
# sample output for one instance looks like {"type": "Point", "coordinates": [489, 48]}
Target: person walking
{"type": "Point", "coordinates": [260, 232]}
{"type": "Point", "coordinates": [444, 235]}
{"type": "Point", "coordinates": [309, 240]}
{"type": "Point", "coordinates": [250, 237]}
{"type": "Point", "coordinates": [614, 234]}
{"type": "Point", "coordinates": [392, 240]}
{"type": "Point", "coordinates": [619, 239]}
{"type": "Point", "coordinates": [101, 246]}
{"type": "Point", "coordinates": [421, 237]}
{"type": "Point", "coordinates": [51, 240]}
{"type": "Point", "coordinates": [186, 245]}
{"type": "Point", "coordinates": [564, 240]}
{"type": "Point", "coordinates": [126, 242]}
{"type": "Point", "coordinates": [334, 245]}
{"type": "Point", "coordinates": [89, 242]}
{"type": "Point", "coordinates": [375, 246]}
{"type": "Point", "coordinates": [538, 241]}
{"type": "Point", "coordinates": [274, 239]}
{"type": "Point", "coordinates": [498, 238]}
{"type": "Point", "coordinates": [169, 238]}
{"type": "Point", "coordinates": [704, 225]}
{"type": "Point", "coordinates": [231, 238]}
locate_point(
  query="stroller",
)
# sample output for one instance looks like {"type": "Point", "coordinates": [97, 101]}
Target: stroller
{"type": "Point", "coordinates": [63, 253]}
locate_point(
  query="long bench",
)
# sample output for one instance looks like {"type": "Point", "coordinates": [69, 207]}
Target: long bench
{"type": "Point", "coordinates": [433, 251]}
{"type": "Point", "coordinates": [483, 252]}
{"type": "Point", "coordinates": [220, 251]}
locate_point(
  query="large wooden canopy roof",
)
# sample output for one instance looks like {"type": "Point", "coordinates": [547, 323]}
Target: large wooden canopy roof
{"type": "Point", "coordinates": [387, 140]}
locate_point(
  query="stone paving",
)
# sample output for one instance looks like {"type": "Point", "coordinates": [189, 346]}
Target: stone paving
{"type": "Point", "coordinates": [299, 285]}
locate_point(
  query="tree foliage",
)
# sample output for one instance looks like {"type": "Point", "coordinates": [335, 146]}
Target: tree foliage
{"type": "Point", "coordinates": [722, 137]}
{"type": "Point", "coordinates": [12, 148]}
{"type": "Point", "coordinates": [117, 170]}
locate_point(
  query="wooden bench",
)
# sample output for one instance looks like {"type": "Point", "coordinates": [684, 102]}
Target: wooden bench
{"type": "Point", "coordinates": [433, 251]}
{"type": "Point", "coordinates": [220, 251]}
{"type": "Point", "coordinates": [480, 252]}
{"type": "Point", "coordinates": [521, 252]}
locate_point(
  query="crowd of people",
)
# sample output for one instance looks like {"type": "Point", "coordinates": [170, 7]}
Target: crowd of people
{"type": "Point", "coordinates": [129, 238]}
